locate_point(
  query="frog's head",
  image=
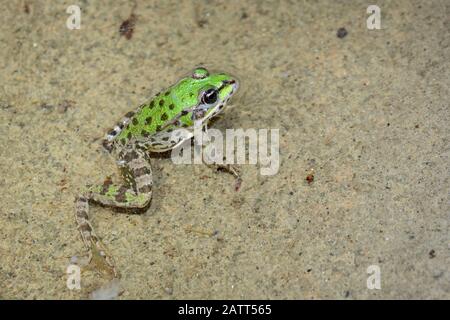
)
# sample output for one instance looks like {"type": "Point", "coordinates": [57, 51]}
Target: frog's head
{"type": "Point", "coordinates": [213, 91]}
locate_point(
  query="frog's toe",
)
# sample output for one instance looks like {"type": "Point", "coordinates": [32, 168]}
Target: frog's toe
{"type": "Point", "coordinates": [234, 170]}
{"type": "Point", "coordinates": [102, 261]}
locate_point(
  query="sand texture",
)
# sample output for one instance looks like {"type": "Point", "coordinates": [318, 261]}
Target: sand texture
{"type": "Point", "coordinates": [367, 112]}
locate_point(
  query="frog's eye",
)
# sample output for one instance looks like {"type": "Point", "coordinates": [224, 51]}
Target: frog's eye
{"type": "Point", "coordinates": [210, 96]}
{"type": "Point", "coordinates": [200, 73]}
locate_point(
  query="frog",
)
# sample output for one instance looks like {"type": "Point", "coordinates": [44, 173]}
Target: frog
{"type": "Point", "coordinates": [161, 124]}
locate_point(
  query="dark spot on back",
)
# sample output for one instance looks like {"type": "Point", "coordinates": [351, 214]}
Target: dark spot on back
{"type": "Point", "coordinates": [161, 102]}
{"type": "Point", "coordinates": [129, 114]}
{"type": "Point", "coordinates": [167, 93]}
{"type": "Point", "coordinates": [158, 128]}
{"type": "Point", "coordinates": [145, 133]}
{"type": "Point", "coordinates": [135, 121]}
{"type": "Point", "coordinates": [148, 120]}
{"type": "Point", "coordinates": [164, 117]}
{"type": "Point", "coordinates": [152, 104]}
{"type": "Point", "coordinates": [171, 106]}
{"type": "Point", "coordinates": [129, 135]}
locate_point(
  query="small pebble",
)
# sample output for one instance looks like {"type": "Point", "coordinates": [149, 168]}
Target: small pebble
{"type": "Point", "coordinates": [341, 33]}
{"type": "Point", "coordinates": [432, 254]}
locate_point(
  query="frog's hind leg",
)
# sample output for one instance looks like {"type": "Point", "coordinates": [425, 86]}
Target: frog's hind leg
{"type": "Point", "coordinates": [91, 240]}
{"type": "Point", "coordinates": [135, 194]}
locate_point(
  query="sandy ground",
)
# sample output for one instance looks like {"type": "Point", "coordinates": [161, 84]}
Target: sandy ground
{"type": "Point", "coordinates": [368, 113]}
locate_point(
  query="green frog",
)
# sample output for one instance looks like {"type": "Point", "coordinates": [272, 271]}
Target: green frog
{"type": "Point", "coordinates": [161, 124]}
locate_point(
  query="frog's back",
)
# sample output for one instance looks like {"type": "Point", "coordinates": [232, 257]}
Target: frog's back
{"type": "Point", "coordinates": [170, 109]}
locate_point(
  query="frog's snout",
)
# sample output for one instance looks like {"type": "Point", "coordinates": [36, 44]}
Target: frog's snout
{"type": "Point", "coordinates": [233, 82]}
{"type": "Point", "coordinates": [234, 85]}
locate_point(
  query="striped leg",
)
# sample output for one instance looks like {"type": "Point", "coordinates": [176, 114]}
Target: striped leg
{"type": "Point", "coordinates": [135, 194]}
{"type": "Point", "coordinates": [114, 132]}
{"type": "Point", "coordinates": [97, 250]}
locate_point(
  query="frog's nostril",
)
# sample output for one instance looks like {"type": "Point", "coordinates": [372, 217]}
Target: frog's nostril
{"type": "Point", "coordinates": [229, 81]}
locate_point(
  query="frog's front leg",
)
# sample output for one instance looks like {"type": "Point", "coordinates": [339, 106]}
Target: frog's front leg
{"type": "Point", "coordinates": [229, 168]}
{"type": "Point", "coordinates": [136, 193]}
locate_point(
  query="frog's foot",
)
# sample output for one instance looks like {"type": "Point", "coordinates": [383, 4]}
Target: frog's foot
{"type": "Point", "coordinates": [229, 168]}
{"type": "Point", "coordinates": [137, 172]}
{"type": "Point", "coordinates": [101, 259]}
